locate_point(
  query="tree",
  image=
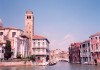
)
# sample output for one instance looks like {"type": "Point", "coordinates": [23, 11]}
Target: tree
{"type": "Point", "coordinates": [8, 52]}
{"type": "Point", "coordinates": [19, 56]}
{"type": "Point", "coordinates": [32, 58]}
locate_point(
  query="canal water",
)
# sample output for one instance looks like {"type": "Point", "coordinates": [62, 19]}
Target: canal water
{"type": "Point", "coordinates": [58, 66]}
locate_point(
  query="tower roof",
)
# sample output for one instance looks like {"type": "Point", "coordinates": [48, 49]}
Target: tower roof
{"type": "Point", "coordinates": [29, 12]}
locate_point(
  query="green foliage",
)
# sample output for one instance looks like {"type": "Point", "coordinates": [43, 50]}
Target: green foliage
{"type": "Point", "coordinates": [8, 52]}
{"type": "Point", "coordinates": [32, 57]}
{"type": "Point", "coordinates": [18, 56]}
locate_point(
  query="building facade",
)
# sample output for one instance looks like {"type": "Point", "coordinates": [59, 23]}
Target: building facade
{"type": "Point", "coordinates": [55, 55]}
{"type": "Point", "coordinates": [2, 45]}
{"type": "Point", "coordinates": [85, 52]}
{"type": "Point", "coordinates": [40, 47]}
{"type": "Point", "coordinates": [9, 34]}
{"type": "Point", "coordinates": [21, 45]}
{"type": "Point", "coordinates": [64, 56]}
{"type": "Point", "coordinates": [95, 46]}
{"type": "Point", "coordinates": [74, 53]}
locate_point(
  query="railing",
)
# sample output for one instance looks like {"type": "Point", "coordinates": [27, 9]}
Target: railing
{"type": "Point", "coordinates": [39, 47]}
{"type": "Point", "coordinates": [40, 53]}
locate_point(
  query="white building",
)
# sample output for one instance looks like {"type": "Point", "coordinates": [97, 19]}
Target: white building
{"type": "Point", "coordinates": [2, 45]}
{"type": "Point", "coordinates": [40, 47]}
{"type": "Point", "coordinates": [21, 46]}
{"type": "Point", "coordinates": [85, 53]}
{"type": "Point", "coordinates": [2, 50]}
{"type": "Point", "coordinates": [19, 42]}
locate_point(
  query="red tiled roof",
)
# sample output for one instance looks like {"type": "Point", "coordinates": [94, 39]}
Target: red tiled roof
{"type": "Point", "coordinates": [86, 41]}
{"type": "Point", "coordinates": [96, 34]}
{"type": "Point", "coordinates": [75, 45]}
{"type": "Point", "coordinates": [39, 37]}
{"type": "Point", "coordinates": [11, 28]}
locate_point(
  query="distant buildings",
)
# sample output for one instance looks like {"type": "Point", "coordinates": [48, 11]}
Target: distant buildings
{"type": "Point", "coordinates": [64, 56]}
{"type": "Point", "coordinates": [58, 55]}
{"type": "Point", "coordinates": [55, 55]}
{"type": "Point", "coordinates": [89, 51]}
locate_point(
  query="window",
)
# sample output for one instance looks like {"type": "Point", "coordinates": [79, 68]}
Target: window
{"type": "Point", "coordinates": [28, 17]}
{"type": "Point", "coordinates": [96, 46]}
{"type": "Point", "coordinates": [1, 33]}
{"type": "Point", "coordinates": [33, 50]}
{"type": "Point", "coordinates": [92, 46]}
{"type": "Point", "coordinates": [43, 50]}
{"type": "Point", "coordinates": [13, 34]}
{"type": "Point", "coordinates": [88, 44]}
{"type": "Point", "coordinates": [34, 44]}
{"type": "Point", "coordinates": [38, 43]}
{"type": "Point", "coordinates": [38, 50]}
{"type": "Point", "coordinates": [83, 45]}
{"type": "Point", "coordinates": [2, 51]}
{"type": "Point", "coordinates": [95, 37]}
{"type": "Point", "coordinates": [43, 43]}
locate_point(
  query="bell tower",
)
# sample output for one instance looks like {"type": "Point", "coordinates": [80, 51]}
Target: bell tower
{"type": "Point", "coordinates": [29, 28]}
{"type": "Point", "coordinates": [29, 23]}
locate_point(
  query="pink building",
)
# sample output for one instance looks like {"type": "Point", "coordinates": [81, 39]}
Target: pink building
{"type": "Point", "coordinates": [74, 53]}
{"type": "Point", "coordinates": [95, 46]}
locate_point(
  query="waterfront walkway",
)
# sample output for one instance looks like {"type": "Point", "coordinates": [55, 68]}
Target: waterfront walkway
{"type": "Point", "coordinates": [58, 66]}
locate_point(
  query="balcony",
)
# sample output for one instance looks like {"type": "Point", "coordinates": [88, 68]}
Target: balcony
{"type": "Point", "coordinates": [40, 53]}
{"type": "Point", "coordinates": [39, 47]}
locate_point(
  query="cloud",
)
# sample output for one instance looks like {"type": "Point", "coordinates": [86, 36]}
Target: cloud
{"type": "Point", "coordinates": [63, 43]}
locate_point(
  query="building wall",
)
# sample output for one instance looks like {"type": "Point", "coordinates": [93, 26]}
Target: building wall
{"type": "Point", "coordinates": [40, 47]}
{"type": "Point", "coordinates": [95, 46]}
{"type": "Point", "coordinates": [85, 53]}
{"type": "Point", "coordinates": [10, 33]}
{"type": "Point", "coordinates": [40, 50]}
{"type": "Point", "coordinates": [55, 55]}
{"type": "Point", "coordinates": [1, 52]}
{"type": "Point", "coordinates": [64, 55]}
{"type": "Point", "coordinates": [21, 46]}
{"type": "Point", "coordinates": [74, 53]}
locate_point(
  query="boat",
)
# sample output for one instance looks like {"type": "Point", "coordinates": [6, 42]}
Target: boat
{"type": "Point", "coordinates": [52, 63]}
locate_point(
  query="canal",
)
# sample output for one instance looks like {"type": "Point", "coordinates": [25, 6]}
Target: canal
{"type": "Point", "coordinates": [58, 66]}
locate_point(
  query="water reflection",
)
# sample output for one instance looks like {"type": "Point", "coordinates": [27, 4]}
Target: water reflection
{"type": "Point", "coordinates": [59, 66]}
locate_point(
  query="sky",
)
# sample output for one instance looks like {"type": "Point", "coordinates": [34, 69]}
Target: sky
{"type": "Point", "coordinates": [62, 22]}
